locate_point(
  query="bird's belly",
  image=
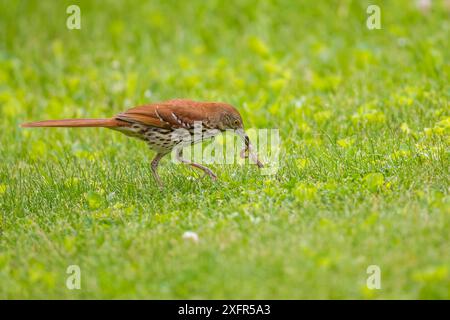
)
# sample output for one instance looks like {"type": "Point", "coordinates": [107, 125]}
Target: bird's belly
{"type": "Point", "coordinates": [164, 140]}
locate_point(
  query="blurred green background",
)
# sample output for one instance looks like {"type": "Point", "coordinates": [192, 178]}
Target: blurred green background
{"type": "Point", "coordinates": [365, 127]}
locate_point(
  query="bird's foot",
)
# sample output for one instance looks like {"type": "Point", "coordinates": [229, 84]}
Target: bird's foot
{"type": "Point", "coordinates": [211, 174]}
{"type": "Point", "coordinates": [207, 171]}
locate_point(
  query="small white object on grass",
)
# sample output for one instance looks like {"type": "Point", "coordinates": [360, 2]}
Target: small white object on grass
{"type": "Point", "coordinates": [423, 5]}
{"type": "Point", "coordinates": [190, 236]}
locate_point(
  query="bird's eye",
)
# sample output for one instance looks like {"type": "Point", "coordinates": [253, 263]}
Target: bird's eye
{"type": "Point", "coordinates": [236, 122]}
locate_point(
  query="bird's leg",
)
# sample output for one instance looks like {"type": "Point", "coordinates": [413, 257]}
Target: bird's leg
{"type": "Point", "coordinates": [154, 165]}
{"type": "Point", "coordinates": [206, 170]}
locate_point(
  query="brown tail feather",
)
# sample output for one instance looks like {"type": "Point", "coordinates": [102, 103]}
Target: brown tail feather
{"type": "Point", "coordinates": [106, 123]}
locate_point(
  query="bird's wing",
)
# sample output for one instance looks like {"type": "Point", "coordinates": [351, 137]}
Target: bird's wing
{"type": "Point", "coordinates": [169, 114]}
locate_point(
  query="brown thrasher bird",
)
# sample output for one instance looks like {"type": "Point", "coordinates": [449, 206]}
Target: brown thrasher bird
{"type": "Point", "coordinates": [169, 125]}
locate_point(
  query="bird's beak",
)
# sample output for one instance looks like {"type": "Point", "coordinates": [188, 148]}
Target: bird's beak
{"type": "Point", "coordinates": [247, 151]}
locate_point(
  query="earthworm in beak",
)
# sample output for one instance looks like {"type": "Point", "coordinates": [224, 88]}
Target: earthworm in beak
{"type": "Point", "coordinates": [247, 151]}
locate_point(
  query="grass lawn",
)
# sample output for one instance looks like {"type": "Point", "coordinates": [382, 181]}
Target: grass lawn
{"type": "Point", "coordinates": [364, 121]}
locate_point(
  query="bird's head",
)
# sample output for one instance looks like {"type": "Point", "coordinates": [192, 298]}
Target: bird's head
{"type": "Point", "coordinates": [230, 118]}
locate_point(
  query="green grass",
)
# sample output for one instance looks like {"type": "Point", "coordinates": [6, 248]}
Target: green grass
{"type": "Point", "coordinates": [364, 119]}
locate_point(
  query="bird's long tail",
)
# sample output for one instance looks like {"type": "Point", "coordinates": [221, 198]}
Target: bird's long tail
{"type": "Point", "coordinates": [106, 123]}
